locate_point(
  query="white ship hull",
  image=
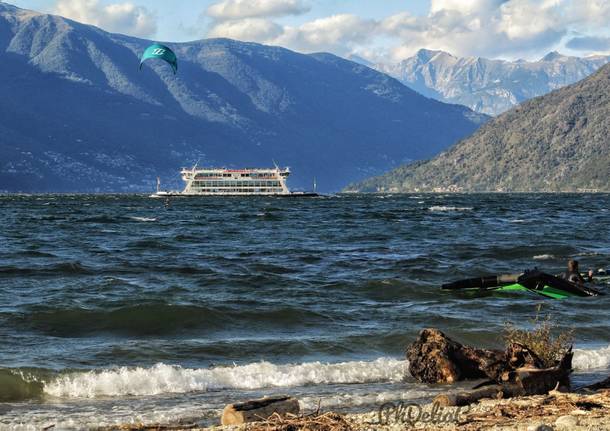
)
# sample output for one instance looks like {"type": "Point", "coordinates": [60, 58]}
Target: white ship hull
{"type": "Point", "coordinates": [233, 182]}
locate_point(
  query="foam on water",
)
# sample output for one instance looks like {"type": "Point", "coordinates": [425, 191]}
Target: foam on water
{"type": "Point", "coordinates": [163, 378]}
{"type": "Point", "coordinates": [448, 209]}
{"type": "Point", "coordinates": [143, 219]}
{"type": "Point", "coordinates": [363, 398]}
{"type": "Point", "coordinates": [591, 359]}
{"type": "Point", "coordinates": [544, 257]}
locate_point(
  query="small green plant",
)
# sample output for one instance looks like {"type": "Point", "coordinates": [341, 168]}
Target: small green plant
{"type": "Point", "coordinates": [543, 338]}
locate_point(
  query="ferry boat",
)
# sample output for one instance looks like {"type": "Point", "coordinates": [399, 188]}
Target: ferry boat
{"type": "Point", "coordinates": [233, 182]}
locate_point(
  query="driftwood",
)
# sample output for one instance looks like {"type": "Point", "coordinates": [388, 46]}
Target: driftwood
{"type": "Point", "coordinates": [315, 422]}
{"type": "Point", "coordinates": [604, 384]}
{"type": "Point", "coordinates": [558, 411]}
{"type": "Point", "coordinates": [259, 410]}
{"type": "Point", "coordinates": [518, 371]}
{"type": "Point", "coordinates": [435, 358]}
{"type": "Point", "coordinates": [517, 383]}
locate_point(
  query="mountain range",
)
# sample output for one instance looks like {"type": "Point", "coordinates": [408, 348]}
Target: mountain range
{"type": "Point", "coordinates": [489, 86]}
{"type": "Point", "coordinates": [559, 142]}
{"type": "Point", "coordinates": [77, 115]}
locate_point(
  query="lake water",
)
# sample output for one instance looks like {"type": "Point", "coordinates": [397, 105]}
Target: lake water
{"type": "Point", "coordinates": [117, 309]}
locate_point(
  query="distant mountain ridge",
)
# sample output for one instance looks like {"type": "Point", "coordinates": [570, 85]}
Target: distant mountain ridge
{"type": "Point", "coordinates": [559, 142]}
{"type": "Point", "coordinates": [76, 114]}
{"type": "Point", "coordinates": [489, 86]}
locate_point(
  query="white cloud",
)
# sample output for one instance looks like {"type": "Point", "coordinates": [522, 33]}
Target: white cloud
{"type": "Point", "coordinates": [476, 27]}
{"type": "Point", "coordinates": [337, 33]}
{"type": "Point", "coordinates": [590, 12]}
{"type": "Point", "coordinates": [118, 17]}
{"type": "Point", "coordinates": [462, 6]}
{"type": "Point", "coordinates": [238, 9]}
{"type": "Point", "coordinates": [493, 28]}
{"type": "Point", "coordinates": [249, 30]}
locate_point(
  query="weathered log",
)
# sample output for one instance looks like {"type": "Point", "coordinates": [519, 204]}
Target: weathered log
{"type": "Point", "coordinates": [435, 358]}
{"type": "Point", "coordinates": [517, 383]}
{"type": "Point", "coordinates": [470, 397]}
{"type": "Point", "coordinates": [259, 410]}
{"type": "Point", "coordinates": [540, 381]}
{"type": "Point", "coordinates": [604, 384]}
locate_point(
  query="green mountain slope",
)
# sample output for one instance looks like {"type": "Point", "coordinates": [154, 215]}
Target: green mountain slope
{"type": "Point", "coordinates": [557, 142]}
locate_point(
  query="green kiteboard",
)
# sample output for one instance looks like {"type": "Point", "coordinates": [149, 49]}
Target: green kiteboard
{"type": "Point", "coordinates": [531, 281]}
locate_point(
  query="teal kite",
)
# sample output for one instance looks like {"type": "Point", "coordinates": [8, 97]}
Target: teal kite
{"type": "Point", "coordinates": [161, 52]}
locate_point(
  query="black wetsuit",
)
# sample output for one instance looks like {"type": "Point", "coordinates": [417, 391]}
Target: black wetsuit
{"type": "Point", "coordinates": [573, 277]}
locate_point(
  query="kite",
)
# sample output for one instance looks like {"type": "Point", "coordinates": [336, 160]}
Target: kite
{"type": "Point", "coordinates": [161, 52]}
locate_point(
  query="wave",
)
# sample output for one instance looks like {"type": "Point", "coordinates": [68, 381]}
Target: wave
{"type": "Point", "coordinates": [143, 219]}
{"type": "Point", "coordinates": [439, 208]}
{"type": "Point", "coordinates": [160, 318]}
{"type": "Point", "coordinates": [35, 253]}
{"type": "Point", "coordinates": [113, 219]}
{"type": "Point", "coordinates": [163, 378]}
{"type": "Point", "coordinates": [588, 359]}
{"type": "Point", "coordinates": [60, 269]}
{"type": "Point", "coordinates": [16, 385]}
{"type": "Point", "coordinates": [149, 244]}
{"type": "Point", "coordinates": [544, 257]}
{"type": "Point", "coordinates": [101, 219]}
{"type": "Point", "coordinates": [19, 385]}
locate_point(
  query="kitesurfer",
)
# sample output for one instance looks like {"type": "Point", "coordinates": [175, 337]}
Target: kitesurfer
{"type": "Point", "coordinates": [573, 274]}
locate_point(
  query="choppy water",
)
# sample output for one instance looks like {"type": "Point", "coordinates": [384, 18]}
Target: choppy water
{"type": "Point", "coordinates": [116, 309]}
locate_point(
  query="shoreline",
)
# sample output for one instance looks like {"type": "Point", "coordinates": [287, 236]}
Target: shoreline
{"type": "Point", "coordinates": [568, 411]}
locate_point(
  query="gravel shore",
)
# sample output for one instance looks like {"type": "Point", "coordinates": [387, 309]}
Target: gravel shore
{"type": "Point", "coordinates": [556, 411]}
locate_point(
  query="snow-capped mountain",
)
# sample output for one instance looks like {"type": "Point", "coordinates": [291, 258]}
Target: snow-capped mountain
{"type": "Point", "coordinates": [489, 86]}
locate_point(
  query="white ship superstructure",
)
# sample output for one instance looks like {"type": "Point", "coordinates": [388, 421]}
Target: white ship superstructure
{"type": "Point", "coordinates": [232, 182]}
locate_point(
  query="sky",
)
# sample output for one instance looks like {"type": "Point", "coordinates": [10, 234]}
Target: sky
{"type": "Point", "coordinates": [385, 31]}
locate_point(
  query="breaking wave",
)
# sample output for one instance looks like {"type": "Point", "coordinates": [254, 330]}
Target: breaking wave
{"type": "Point", "coordinates": [163, 378]}
{"type": "Point", "coordinates": [143, 219]}
{"type": "Point", "coordinates": [591, 359]}
{"type": "Point", "coordinates": [544, 257]}
{"type": "Point", "coordinates": [448, 209]}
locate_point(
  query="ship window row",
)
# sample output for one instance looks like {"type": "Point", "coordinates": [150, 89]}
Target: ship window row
{"type": "Point", "coordinates": [236, 184]}
{"type": "Point", "coordinates": [219, 175]}
{"type": "Point", "coordinates": [238, 190]}
{"type": "Point", "coordinates": [211, 175]}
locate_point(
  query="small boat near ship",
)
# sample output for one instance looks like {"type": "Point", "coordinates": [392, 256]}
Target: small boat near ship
{"type": "Point", "coordinates": [234, 182]}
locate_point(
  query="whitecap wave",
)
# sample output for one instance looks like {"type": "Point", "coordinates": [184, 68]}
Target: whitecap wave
{"type": "Point", "coordinates": [143, 219]}
{"type": "Point", "coordinates": [591, 359]}
{"type": "Point", "coordinates": [440, 208]}
{"type": "Point", "coordinates": [544, 257]}
{"type": "Point", "coordinates": [163, 378]}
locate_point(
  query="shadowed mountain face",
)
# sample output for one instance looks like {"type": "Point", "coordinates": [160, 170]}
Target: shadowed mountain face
{"type": "Point", "coordinates": [489, 86]}
{"type": "Point", "coordinates": [76, 114]}
{"type": "Point", "coordinates": [557, 142]}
